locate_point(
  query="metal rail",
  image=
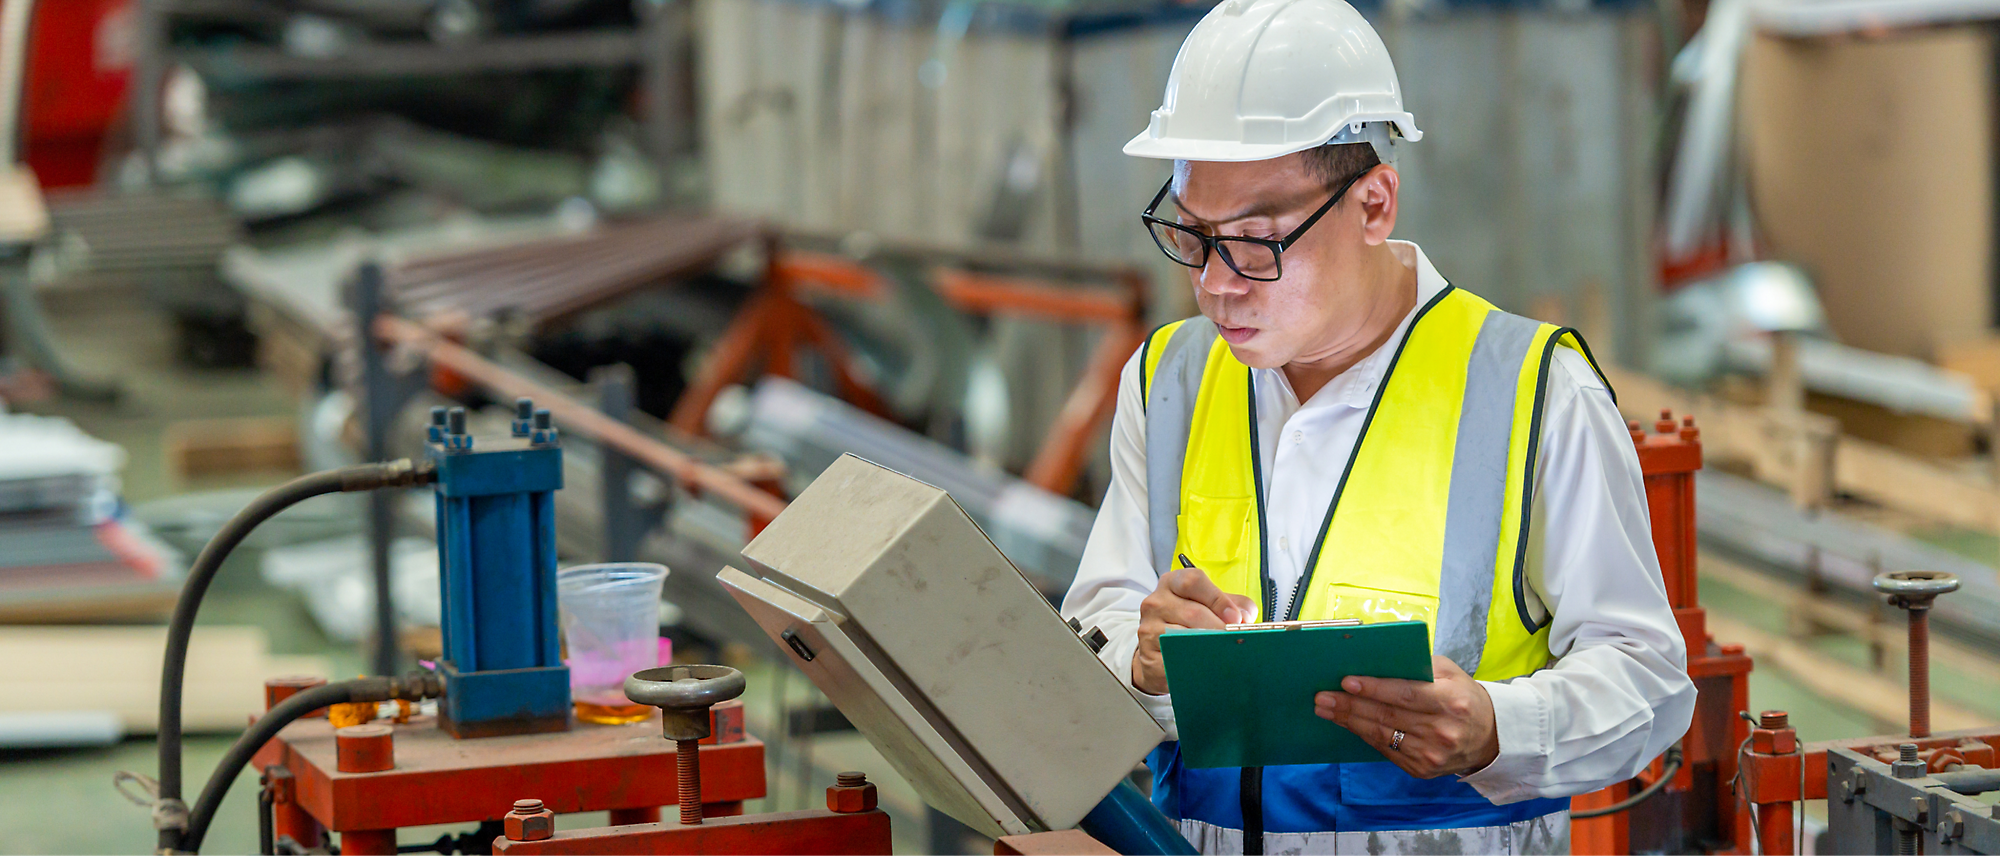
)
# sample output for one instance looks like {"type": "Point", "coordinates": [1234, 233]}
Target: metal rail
{"type": "Point", "coordinates": [582, 419]}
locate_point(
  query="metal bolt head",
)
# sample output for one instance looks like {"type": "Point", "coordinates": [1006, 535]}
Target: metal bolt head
{"type": "Point", "coordinates": [1915, 589]}
{"type": "Point", "coordinates": [529, 821]}
{"type": "Point", "coordinates": [1922, 808]}
{"type": "Point", "coordinates": [1854, 785]}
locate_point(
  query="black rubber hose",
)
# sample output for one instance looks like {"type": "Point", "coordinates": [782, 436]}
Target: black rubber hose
{"type": "Point", "coordinates": [1667, 771]}
{"type": "Point", "coordinates": [414, 687]}
{"type": "Point", "coordinates": [345, 479]}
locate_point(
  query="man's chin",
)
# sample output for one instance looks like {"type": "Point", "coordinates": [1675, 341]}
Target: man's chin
{"type": "Point", "coordinates": [1255, 357]}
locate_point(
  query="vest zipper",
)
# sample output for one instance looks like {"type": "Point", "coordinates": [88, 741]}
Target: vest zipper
{"type": "Point", "coordinates": [1270, 588]}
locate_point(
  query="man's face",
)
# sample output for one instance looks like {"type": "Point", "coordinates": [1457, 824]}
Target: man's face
{"type": "Point", "coordinates": [1308, 311]}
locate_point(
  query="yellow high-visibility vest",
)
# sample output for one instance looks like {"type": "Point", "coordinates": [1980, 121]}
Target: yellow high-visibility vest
{"type": "Point", "coordinates": [1430, 519]}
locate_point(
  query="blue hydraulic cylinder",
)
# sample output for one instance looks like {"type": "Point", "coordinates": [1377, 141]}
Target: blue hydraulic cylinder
{"type": "Point", "coordinates": [496, 530]}
{"type": "Point", "coordinates": [1129, 823]}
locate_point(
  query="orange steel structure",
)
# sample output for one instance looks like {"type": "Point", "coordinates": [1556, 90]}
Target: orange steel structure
{"type": "Point", "coordinates": [1698, 809]}
{"type": "Point", "coordinates": [777, 324]}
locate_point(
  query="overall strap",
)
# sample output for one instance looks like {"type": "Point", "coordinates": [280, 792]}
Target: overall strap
{"type": "Point", "coordinates": [1171, 364]}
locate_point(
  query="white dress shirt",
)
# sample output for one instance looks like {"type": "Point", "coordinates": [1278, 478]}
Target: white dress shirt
{"type": "Point", "coordinates": [1617, 694]}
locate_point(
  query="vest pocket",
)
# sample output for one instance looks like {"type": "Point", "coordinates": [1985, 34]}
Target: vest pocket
{"type": "Point", "coordinates": [1213, 532]}
{"type": "Point", "coordinates": [1383, 783]}
{"type": "Point", "coordinates": [1373, 605]}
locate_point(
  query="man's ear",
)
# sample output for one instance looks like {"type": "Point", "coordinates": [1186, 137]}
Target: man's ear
{"type": "Point", "coordinates": [1377, 193]}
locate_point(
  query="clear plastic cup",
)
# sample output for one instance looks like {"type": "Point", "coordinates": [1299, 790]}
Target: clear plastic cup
{"type": "Point", "coordinates": [611, 627]}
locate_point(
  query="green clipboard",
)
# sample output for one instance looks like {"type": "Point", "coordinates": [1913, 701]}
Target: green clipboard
{"type": "Point", "coordinates": [1243, 697]}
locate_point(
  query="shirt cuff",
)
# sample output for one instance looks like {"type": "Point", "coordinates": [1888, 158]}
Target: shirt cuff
{"type": "Point", "coordinates": [1521, 718]}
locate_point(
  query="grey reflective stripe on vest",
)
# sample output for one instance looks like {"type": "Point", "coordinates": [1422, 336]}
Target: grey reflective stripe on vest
{"type": "Point", "coordinates": [1170, 399]}
{"type": "Point", "coordinates": [1479, 486]}
{"type": "Point", "coordinates": [1478, 473]}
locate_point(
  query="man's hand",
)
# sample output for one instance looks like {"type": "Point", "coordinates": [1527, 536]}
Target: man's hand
{"type": "Point", "coordinates": [1185, 598]}
{"type": "Point", "coordinates": [1447, 725]}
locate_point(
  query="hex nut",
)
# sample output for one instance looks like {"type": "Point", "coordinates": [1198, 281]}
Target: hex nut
{"type": "Point", "coordinates": [848, 800]}
{"type": "Point", "coordinates": [530, 825]}
{"type": "Point", "coordinates": [1952, 826]}
{"type": "Point", "coordinates": [1853, 786]}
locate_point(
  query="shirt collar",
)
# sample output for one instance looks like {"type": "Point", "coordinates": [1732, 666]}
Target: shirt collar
{"type": "Point", "coordinates": [1356, 386]}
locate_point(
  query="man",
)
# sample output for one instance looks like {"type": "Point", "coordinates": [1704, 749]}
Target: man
{"type": "Point", "coordinates": [1344, 434]}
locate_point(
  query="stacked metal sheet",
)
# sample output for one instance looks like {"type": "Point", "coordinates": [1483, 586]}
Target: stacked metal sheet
{"type": "Point", "coordinates": [546, 279]}
{"type": "Point", "coordinates": [143, 232]}
{"type": "Point", "coordinates": [67, 549]}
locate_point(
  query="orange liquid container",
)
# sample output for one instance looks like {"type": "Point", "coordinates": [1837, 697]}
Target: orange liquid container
{"type": "Point", "coordinates": [612, 714]}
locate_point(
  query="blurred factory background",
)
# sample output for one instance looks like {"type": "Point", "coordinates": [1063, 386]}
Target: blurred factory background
{"type": "Point", "coordinates": [726, 241]}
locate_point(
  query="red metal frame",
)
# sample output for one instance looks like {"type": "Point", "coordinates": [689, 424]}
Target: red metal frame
{"type": "Point", "coordinates": [442, 779]}
{"type": "Point", "coordinates": [1669, 455]}
{"type": "Point", "coordinates": [812, 831]}
{"type": "Point", "coordinates": [1779, 771]}
{"type": "Point", "coordinates": [777, 324]}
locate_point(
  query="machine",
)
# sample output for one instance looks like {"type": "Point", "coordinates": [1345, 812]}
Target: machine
{"type": "Point", "coordinates": [1018, 750]}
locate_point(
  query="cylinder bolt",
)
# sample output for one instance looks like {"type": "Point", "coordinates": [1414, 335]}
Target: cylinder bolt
{"type": "Point", "coordinates": [454, 430]}
{"type": "Point", "coordinates": [524, 410]}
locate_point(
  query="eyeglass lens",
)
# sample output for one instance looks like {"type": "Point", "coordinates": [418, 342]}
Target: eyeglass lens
{"type": "Point", "coordinates": [1250, 258]}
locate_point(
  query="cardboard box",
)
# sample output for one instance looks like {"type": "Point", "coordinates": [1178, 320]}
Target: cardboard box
{"type": "Point", "coordinates": [1870, 163]}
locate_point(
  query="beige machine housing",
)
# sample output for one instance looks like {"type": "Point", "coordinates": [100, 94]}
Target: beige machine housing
{"type": "Point", "coordinates": [897, 606]}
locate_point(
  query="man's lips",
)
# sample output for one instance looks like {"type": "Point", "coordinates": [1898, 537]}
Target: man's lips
{"type": "Point", "coordinates": [1236, 335]}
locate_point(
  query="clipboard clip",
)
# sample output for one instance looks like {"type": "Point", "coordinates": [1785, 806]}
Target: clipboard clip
{"type": "Point", "coordinates": [1295, 625]}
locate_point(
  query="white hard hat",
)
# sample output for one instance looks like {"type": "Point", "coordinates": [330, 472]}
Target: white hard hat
{"type": "Point", "coordinates": [1260, 79]}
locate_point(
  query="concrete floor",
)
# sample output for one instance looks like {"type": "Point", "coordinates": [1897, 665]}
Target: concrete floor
{"type": "Point", "coordinates": [63, 802]}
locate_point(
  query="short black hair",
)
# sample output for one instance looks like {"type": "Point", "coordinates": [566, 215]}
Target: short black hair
{"type": "Point", "coordinates": [1334, 163]}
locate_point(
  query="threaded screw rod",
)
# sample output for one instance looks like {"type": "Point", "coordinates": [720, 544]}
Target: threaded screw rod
{"type": "Point", "coordinates": [687, 762]}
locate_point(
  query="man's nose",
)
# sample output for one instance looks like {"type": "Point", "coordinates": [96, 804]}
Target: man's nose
{"type": "Point", "coordinates": [1218, 278]}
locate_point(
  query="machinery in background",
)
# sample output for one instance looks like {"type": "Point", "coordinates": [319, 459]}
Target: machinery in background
{"type": "Point", "coordinates": [1884, 794]}
{"type": "Point", "coordinates": [503, 751]}
{"type": "Point", "coordinates": [1690, 805]}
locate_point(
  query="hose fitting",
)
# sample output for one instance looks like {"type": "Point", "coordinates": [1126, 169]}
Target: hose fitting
{"type": "Point", "coordinates": [402, 472]}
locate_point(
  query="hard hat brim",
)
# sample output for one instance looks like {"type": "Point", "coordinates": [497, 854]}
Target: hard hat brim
{"type": "Point", "coordinates": [1145, 145]}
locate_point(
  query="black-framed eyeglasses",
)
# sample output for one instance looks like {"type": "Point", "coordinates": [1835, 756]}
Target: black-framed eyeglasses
{"type": "Point", "coordinates": [1251, 258]}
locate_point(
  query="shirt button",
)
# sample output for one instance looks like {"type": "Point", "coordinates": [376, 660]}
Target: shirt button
{"type": "Point", "coordinates": [1298, 436]}
{"type": "Point", "coordinates": [1284, 544]}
